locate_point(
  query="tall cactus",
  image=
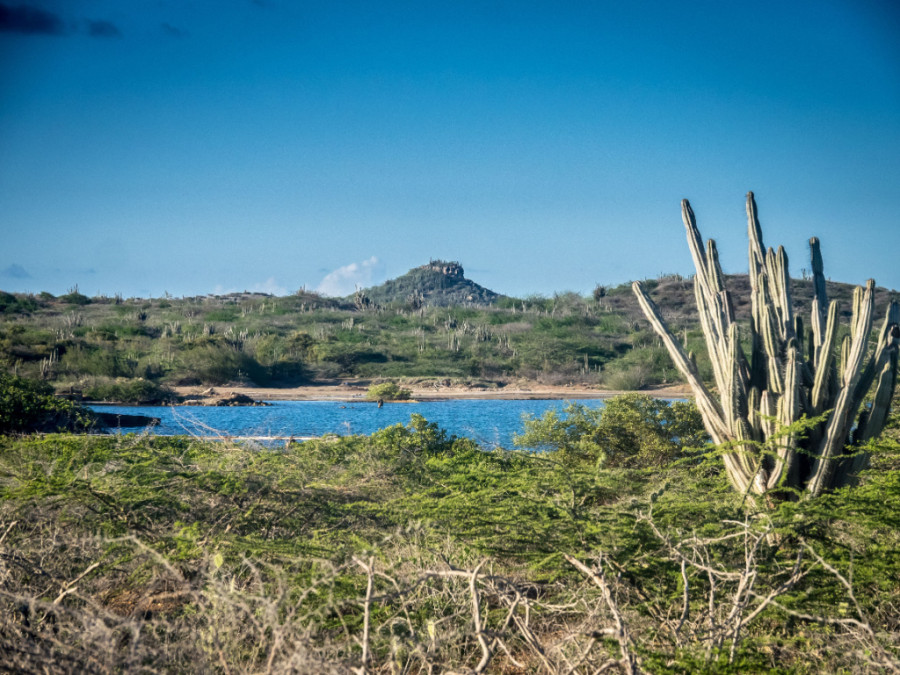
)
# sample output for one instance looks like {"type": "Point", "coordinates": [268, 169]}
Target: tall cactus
{"type": "Point", "coordinates": [792, 372]}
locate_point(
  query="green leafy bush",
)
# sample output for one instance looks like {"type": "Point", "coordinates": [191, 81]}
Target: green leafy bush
{"type": "Point", "coordinates": [633, 430]}
{"type": "Point", "coordinates": [138, 391]}
{"type": "Point", "coordinates": [96, 360]}
{"type": "Point", "coordinates": [29, 405]}
{"type": "Point", "coordinates": [388, 391]}
{"type": "Point", "coordinates": [212, 361]}
{"type": "Point", "coordinates": [75, 298]}
{"type": "Point", "coordinates": [640, 367]}
{"type": "Point", "coordinates": [12, 304]}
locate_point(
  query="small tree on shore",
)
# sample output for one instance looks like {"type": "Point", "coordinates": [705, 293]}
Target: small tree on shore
{"type": "Point", "coordinates": [387, 391]}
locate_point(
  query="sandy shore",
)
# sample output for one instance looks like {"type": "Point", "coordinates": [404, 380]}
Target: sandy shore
{"type": "Point", "coordinates": [350, 390]}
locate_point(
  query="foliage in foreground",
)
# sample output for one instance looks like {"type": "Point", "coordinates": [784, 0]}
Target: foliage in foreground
{"type": "Point", "coordinates": [412, 551]}
{"type": "Point", "coordinates": [28, 406]}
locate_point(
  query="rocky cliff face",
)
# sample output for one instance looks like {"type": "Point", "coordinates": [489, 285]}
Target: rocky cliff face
{"type": "Point", "coordinates": [448, 269]}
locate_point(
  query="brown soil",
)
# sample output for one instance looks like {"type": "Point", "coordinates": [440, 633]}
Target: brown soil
{"type": "Point", "coordinates": [352, 390]}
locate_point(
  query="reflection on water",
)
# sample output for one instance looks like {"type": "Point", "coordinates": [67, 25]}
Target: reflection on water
{"type": "Point", "coordinates": [490, 422]}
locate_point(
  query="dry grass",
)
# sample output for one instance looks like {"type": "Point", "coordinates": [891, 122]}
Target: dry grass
{"type": "Point", "coordinates": [108, 606]}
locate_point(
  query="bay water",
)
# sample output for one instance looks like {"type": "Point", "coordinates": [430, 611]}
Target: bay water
{"type": "Point", "coordinates": [490, 422]}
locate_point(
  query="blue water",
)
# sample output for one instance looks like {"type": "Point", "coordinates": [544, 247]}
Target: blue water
{"type": "Point", "coordinates": [490, 422]}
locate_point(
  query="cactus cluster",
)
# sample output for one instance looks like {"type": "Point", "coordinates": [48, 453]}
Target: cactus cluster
{"type": "Point", "coordinates": [792, 372]}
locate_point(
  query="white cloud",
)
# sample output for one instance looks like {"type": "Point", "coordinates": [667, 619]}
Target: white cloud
{"type": "Point", "coordinates": [344, 280]}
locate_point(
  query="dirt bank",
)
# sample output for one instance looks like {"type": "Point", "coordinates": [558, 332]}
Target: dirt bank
{"type": "Point", "coordinates": [352, 390]}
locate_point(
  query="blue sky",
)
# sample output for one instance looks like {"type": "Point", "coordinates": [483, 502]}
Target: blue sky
{"type": "Point", "coordinates": [208, 146]}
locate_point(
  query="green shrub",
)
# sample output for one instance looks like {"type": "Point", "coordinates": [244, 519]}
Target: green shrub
{"type": "Point", "coordinates": [632, 430]}
{"type": "Point", "coordinates": [139, 391]}
{"type": "Point", "coordinates": [75, 298]}
{"type": "Point", "coordinates": [388, 391]}
{"type": "Point", "coordinates": [96, 360]}
{"type": "Point", "coordinates": [211, 361]}
{"type": "Point", "coordinates": [12, 304]}
{"type": "Point", "coordinates": [29, 405]}
{"type": "Point", "coordinates": [640, 367]}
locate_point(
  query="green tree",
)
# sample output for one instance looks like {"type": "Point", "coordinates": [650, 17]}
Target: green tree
{"type": "Point", "coordinates": [633, 430]}
{"type": "Point", "coordinates": [387, 391]}
{"type": "Point", "coordinates": [29, 405]}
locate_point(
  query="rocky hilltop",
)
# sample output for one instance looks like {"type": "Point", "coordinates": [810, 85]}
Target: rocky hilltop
{"type": "Point", "coordinates": [440, 283]}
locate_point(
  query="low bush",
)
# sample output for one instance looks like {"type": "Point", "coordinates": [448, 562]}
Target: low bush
{"type": "Point", "coordinates": [137, 391]}
{"type": "Point", "coordinates": [388, 391]}
{"type": "Point", "coordinates": [212, 361]}
{"type": "Point", "coordinates": [75, 298]}
{"type": "Point", "coordinates": [633, 430]}
{"type": "Point", "coordinates": [16, 304]}
{"type": "Point", "coordinates": [29, 405]}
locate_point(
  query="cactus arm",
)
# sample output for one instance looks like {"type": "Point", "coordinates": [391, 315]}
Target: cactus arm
{"type": "Point", "coordinates": [885, 352]}
{"type": "Point", "coordinates": [758, 359]}
{"type": "Point", "coordinates": [862, 326]}
{"type": "Point", "coordinates": [820, 302]}
{"type": "Point", "coordinates": [716, 278]}
{"type": "Point", "coordinates": [709, 408]}
{"type": "Point", "coordinates": [838, 427]}
{"type": "Point", "coordinates": [783, 283]}
{"type": "Point", "coordinates": [824, 360]}
{"type": "Point", "coordinates": [734, 394]}
{"type": "Point", "coordinates": [768, 409]}
{"type": "Point", "coordinates": [743, 467]}
{"type": "Point", "coordinates": [789, 407]}
{"type": "Point", "coordinates": [711, 333]}
{"type": "Point", "coordinates": [695, 244]}
{"type": "Point", "coordinates": [890, 326]}
{"type": "Point", "coordinates": [754, 406]}
{"type": "Point", "coordinates": [845, 356]}
{"type": "Point", "coordinates": [754, 236]}
{"type": "Point", "coordinates": [818, 327]}
{"type": "Point", "coordinates": [881, 404]}
{"type": "Point", "coordinates": [708, 285]}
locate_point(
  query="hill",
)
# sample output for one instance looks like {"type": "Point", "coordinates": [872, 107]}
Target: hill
{"type": "Point", "coordinates": [437, 284]}
{"type": "Point", "coordinates": [675, 296]}
{"type": "Point", "coordinates": [131, 349]}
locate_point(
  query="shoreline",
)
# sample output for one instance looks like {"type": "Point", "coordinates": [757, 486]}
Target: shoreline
{"type": "Point", "coordinates": [350, 391]}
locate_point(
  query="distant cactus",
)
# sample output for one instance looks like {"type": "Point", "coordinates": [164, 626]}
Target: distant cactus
{"type": "Point", "coordinates": [361, 301]}
{"type": "Point", "coordinates": [416, 299]}
{"type": "Point", "coordinates": [791, 373]}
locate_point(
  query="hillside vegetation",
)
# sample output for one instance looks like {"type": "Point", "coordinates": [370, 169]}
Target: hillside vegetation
{"type": "Point", "coordinates": [133, 348]}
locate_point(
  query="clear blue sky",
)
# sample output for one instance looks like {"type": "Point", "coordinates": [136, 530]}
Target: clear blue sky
{"type": "Point", "coordinates": [207, 146]}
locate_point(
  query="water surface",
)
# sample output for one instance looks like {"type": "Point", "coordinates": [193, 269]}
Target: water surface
{"type": "Point", "coordinates": [490, 422]}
